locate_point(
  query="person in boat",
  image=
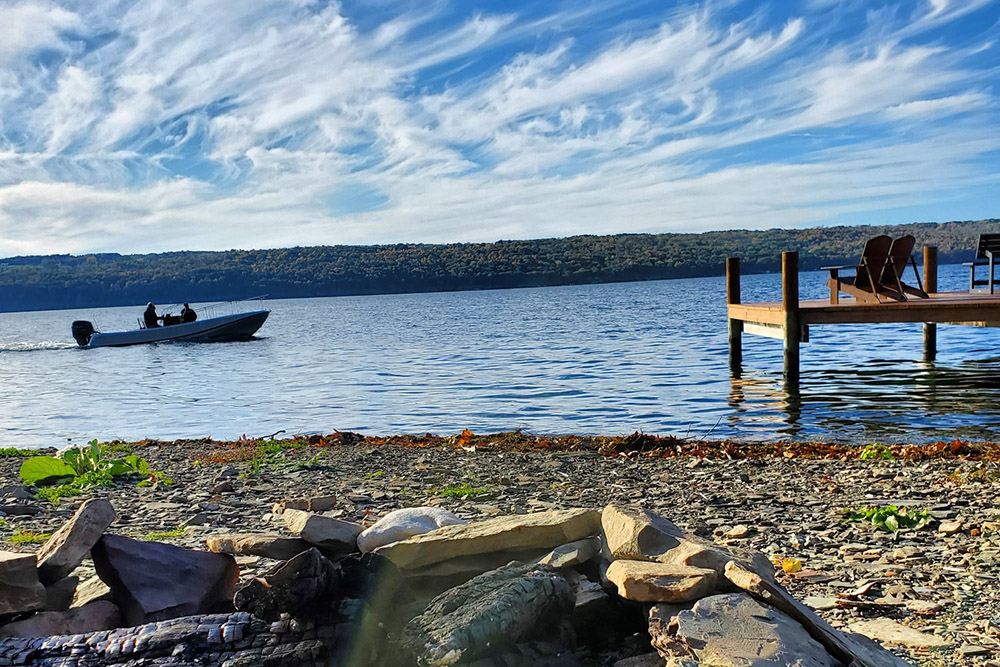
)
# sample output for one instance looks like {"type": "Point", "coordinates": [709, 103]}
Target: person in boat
{"type": "Point", "coordinates": [149, 317]}
{"type": "Point", "coordinates": [188, 314]}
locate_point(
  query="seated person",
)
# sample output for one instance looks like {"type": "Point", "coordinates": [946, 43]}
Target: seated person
{"type": "Point", "coordinates": [149, 317]}
{"type": "Point", "coordinates": [188, 314]}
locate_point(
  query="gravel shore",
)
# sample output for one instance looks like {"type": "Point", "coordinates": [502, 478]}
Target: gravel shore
{"type": "Point", "coordinates": [785, 500]}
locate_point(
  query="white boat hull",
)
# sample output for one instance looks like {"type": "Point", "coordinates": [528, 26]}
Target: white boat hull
{"type": "Point", "coordinates": [241, 326]}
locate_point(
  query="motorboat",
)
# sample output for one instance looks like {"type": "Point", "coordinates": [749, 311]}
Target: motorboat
{"type": "Point", "coordinates": [228, 327]}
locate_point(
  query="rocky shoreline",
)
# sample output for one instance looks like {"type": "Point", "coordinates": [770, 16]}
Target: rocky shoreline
{"type": "Point", "coordinates": [784, 500]}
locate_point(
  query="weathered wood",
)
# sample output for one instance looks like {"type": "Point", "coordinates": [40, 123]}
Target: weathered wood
{"type": "Point", "coordinates": [941, 307]}
{"type": "Point", "coordinates": [237, 639]}
{"type": "Point", "coordinates": [735, 326]}
{"type": "Point", "coordinates": [790, 306]}
{"type": "Point", "coordinates": [847, 649]}
{"type": "Point", "coordinates": [490, 612]}
{"type": "Point", "coordinates": [930, 286]}
{"type": "Point", "coordinates": [292, 587]}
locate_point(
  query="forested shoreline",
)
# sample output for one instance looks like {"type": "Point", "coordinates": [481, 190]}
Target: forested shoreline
{"type": "Point", "coordinates": [108, 279]}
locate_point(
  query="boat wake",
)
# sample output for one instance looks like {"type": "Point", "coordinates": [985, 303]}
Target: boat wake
{"type": "Point", "coordinates": [35, 346]}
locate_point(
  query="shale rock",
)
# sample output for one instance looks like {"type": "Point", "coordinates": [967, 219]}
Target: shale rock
{"type": "Point", "coordinates": [893, 632]}
{"type": "Point", "coordinates": [641, 581]}
{"type": "Point", "coordinates": [543, 530]}
{"type": "Point", "coordinates": [101, 615]}
{"type": "Point", "coordinates": [334, 536]}
{"type": "Point", "coordinates": [572, 554]}
{"type": "Point", "coordinates": [151, 581]}
{"type": "Point", "coordinates": [734, 629]}
{"type": "Point", "coordinates": [59, 596]}
{"type": "Point", "coordinates": [488, 613]}
{"type": "Point", "coordinates": [291, 587]}
{"type": "Point", "coordinates": [90, 590]}
{"type": "Point", "coordinates": [65, 550]}
{"type": "Point", "coordinates": [20, 589]}
{"type": "Point", "coordinates": [268, 545]}
{"type": "Point", "coordinates": [633, 533]}
{"type": "Point", "coordinates": [404, 523]}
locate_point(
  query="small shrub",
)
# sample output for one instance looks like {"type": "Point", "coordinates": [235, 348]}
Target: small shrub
{"type": "Point", "coordinates": [462, 490]}
{"type": "Point", "coordinates": [164, 535]}
{"type": "Point", "coordinates": [15, 453]}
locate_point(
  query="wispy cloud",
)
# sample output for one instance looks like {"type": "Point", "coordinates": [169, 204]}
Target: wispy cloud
{"type": "Point", "coordinates": [201, 125]}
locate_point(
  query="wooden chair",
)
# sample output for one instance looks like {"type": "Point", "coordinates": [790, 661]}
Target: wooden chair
{"type": "Point", "coordinates": [891, 282]}
{"type": "Point", "coordinates": [987, 252]}
{"type": "Point", "coordinates": [865, 284]}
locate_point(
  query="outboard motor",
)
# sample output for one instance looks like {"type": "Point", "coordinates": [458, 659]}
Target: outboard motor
{"type": "Point", "coordinates": [82, 331]}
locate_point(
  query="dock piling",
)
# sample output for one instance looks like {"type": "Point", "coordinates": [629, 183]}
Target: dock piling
{"type": "Point", "coordinates": [930, 285]}
{"type": "Point", "coordinates": [790, 307]}
{"type": "Point", "coordinates": [735, 326]}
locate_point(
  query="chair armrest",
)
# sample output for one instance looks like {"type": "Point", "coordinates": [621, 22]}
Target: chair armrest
{"type": "Point", "coordinates": [978, 262]}
{"type": "Point", "coordinates": [846, 266]}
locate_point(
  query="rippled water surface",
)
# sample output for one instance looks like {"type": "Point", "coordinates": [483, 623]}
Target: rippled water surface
{"type": "Point", "coordinates": [593, 359]}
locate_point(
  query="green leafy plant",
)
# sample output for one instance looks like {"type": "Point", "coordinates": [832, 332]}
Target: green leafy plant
{"type": "Point", "coordinates": [875, 451]}
{"type": "Point", "coordinates": [79, 468]}
{"type": "Point", "coordinates": [375, 475]}
{"type": "Point", "coordinates": [889, 518]}
{"type": "Point", "coordinates": [29, 537]}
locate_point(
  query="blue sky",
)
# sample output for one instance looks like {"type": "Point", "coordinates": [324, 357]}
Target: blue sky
{"type": "Point", "coordinates": [152, 126]}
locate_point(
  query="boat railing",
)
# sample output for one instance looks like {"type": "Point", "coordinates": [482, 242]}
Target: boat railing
{"type": "Point", "coordinates": [218, 309]}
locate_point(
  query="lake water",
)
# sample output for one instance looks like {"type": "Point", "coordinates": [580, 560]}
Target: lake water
{"type": "Point", "coordinates": [592, 359]}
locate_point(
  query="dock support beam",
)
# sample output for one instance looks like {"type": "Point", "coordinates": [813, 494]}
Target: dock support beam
{"type": "Point", "coordinates": [790, 306]}
{"type": "Point", "coordinates": [735, 326]}
{"type": "Point", "coordinates": [930, 285]}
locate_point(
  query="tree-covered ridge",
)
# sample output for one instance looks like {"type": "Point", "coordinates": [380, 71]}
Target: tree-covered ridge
{"type": "Point", "coordinates": [68, 281]}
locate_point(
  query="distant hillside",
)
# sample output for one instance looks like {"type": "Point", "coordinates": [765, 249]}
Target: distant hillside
{"type": "Point", "coordinates": [68, 281]}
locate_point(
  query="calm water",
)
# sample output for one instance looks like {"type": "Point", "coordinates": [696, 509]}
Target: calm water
{"type": "Point", "coordinates": [594, 359]}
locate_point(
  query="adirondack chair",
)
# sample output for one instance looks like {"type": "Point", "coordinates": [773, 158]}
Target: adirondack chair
{"type": "Point", "coordinates": [987, 252]}
{"type": "Point", "coordinates": [891, 282]}
{"type": "Point", "coordinates": [865, 285]}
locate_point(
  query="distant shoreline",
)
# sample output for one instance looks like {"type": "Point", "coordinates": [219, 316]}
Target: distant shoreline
{"type": "Point", "coordinates": [59, 282]}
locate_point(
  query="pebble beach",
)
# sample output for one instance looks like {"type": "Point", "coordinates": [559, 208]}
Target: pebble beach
{"type": "Point", "coordinates": [786, 500]}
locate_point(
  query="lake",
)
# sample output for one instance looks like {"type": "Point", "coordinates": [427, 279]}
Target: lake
{"type": "Point", "coordinates": [590, 359]}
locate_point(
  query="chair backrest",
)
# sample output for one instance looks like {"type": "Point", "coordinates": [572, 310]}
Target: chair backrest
{"type": "Point", "coordinates": [989, 244]}
{"type": "Point", "coordinates": [874, 256]}
{"type": "Point", "coordinates": [899, 255]}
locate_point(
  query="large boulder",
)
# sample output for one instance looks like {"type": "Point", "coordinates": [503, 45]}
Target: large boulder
{"type": "Point", "coordinates": [100, 615]}
{"type": "Point", "coordinates": [542, 530]}
{"type": "Point", "coordinates": [67, 547]}
{"type": "Point", "coordinates": [20, 589]}
{"type": "Point", "coordinates": [333, 536]}
{"type": "Point", "coordinates": [405, 523]}
{"type": "Point", "coordinates": [642, 581]}
{"type": "Point", "coordinates": [735, 630]}
{"type": "Point", "coordinates": [634, 533]}
{"type": "Point", "coordinates": [151, 581]}
{"type": "Point", "coordinates": [268, 545]}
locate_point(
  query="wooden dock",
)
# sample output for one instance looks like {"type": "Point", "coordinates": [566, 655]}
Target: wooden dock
{"type": "Point", "coordinates": [790, 319]}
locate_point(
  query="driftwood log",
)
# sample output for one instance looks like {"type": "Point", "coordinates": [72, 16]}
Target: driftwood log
{"type": "Point", "coordinates": [489, 613]}
{"type": "Point", "coordinates": [234, 640]}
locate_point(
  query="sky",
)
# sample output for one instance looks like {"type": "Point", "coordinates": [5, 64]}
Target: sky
{"type": "Point", "coordinates": [155, 126]}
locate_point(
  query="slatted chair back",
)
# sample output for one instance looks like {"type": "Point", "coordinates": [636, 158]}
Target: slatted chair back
{"type": "Point", "coordinates": [873, 262]}
{"type": "Point", "coordinates": [989, 245]}
{"type": "Point", "coordinates": [899, 256]}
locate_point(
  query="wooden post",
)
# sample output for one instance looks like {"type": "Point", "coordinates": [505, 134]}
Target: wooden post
{"type": "Point", "coordinates": [735, 326]}
{"type": "Point", "coordinates": [930, 285]}
{"type": "Point", "coordinates": [790, 305]}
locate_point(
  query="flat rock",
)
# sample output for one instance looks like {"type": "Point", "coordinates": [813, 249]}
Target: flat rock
{"type": "Point", "coordinates": [634, 533]}
{"type": "Point", "coordinates": [65, 550]}
{"type": "Point", "coordinates": [950, 527]}
{"type": "Point", "coordinates": [888, 631]}
{"type": "Point", "coordinates": [268, 545]}
{"type": "Point", "coordinates": [572, 554]}
{"type": "Point", "coordinates": [100, 615]}
{"type": "Point", "coordinates": [642, 581]}
{"type": "Point", "coordinates": [735, 629]}
{"type": "Point", "coordinates": [20, 589]}
{"type": "Point", "coordinates": [151, 581]}
{"type": "Point", "coordinates": [524, 531]}
{"type": "Point", "coordinates": [90, 590]}
{"type": "Point", "coordinates": [329, 534]}
{"type": "Point", "coordinates": [405, 523]}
